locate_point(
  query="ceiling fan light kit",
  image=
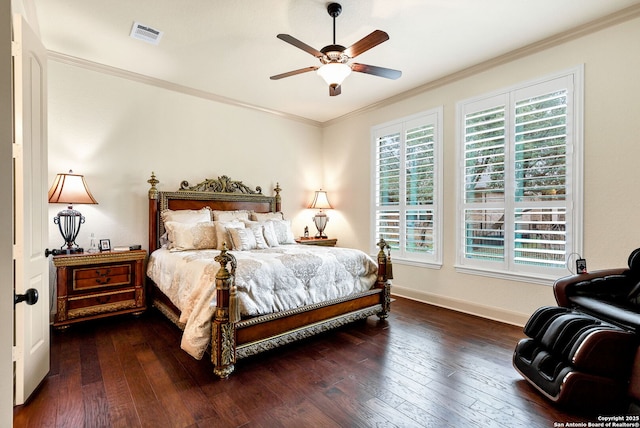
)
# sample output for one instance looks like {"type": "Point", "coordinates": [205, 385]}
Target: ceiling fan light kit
{"type": "Point", "coordinates": [335, 58]}
{"type": "Point", "coordinates": [334, 73]}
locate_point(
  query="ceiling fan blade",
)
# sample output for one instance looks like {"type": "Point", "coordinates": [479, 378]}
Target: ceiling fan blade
{"type": "Point", "coordinates": [300, 45]}
{"type": "Point", "coordinates": [366, 43]}
{"type": "Point", "coordinates": [335, 90]}
{"type": "Point", "coordinates": [293, 73]}
{"type": "Point", "coordinates": [388, 73]}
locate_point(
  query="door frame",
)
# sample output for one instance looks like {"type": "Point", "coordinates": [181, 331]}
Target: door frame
{"type": "Point", "coordinates": [6, 216]}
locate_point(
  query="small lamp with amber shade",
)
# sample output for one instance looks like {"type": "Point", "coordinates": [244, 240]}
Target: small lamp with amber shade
{"type": "Point", "coordinates": [69, 188]}
{"type": "Point", "coordinates": [321, 202]}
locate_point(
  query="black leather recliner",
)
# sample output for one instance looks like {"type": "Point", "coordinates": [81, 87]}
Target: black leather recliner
{"type": "Point", "coordinates": [584, 353]}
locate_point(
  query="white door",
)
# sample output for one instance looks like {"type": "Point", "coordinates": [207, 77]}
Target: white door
{"type": "Point", "coordinates": [30, 215]}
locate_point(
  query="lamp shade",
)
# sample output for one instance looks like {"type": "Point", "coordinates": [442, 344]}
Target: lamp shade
{"type": "Point", "coordinates": [70, 188]}
{"type": "Point", "coordinates": [320, 201]}
{"type": "Point", "coordinates": [334, 73]}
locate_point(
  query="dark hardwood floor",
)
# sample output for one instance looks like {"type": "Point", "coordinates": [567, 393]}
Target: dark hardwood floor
{"type": "Point", "coordinates": [425, 367]}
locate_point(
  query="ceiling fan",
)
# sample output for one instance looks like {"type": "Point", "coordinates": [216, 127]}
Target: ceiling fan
{"type": "Point", "coordinates": [335, 58]}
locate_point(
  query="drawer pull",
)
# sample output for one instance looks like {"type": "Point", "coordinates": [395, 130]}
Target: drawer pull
{"type": "Point", "coordinates": [103, 299]}
{"type": "Point", "coordinates": [106, 272]}
{"type": "Point", "coordinates": [103, 281]}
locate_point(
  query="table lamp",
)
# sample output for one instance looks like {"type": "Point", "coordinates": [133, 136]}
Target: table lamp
{"type": "Point", "coordinates": [69, 189]}
{"type": "Point", "coordinates": [321, 202]}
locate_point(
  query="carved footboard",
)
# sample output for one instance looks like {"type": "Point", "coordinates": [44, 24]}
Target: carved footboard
{"type": "Point", "coordinates": [233, 338]}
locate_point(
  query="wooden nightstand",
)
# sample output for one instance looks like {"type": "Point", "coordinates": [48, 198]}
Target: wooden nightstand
{"type": "Point", "coordinates": [96, 285]}
{"type": "Point", "coordinates": [325, 242]}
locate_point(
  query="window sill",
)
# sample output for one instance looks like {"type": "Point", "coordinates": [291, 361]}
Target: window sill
{"type": "Point", "coordinates": [532, 278]}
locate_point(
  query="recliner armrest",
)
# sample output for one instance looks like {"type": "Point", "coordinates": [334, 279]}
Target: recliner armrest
{"type": "Point", "coordinates": [568, 285]}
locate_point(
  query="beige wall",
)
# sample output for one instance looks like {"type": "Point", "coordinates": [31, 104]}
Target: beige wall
{"type": "Point", "coordinates": [116, 131]}
{"type": "Point", "coordinates": [611, 153]}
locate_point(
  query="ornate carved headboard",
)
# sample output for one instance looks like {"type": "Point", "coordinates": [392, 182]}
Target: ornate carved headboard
{"type": "Point", "coordinates": [222, 193]}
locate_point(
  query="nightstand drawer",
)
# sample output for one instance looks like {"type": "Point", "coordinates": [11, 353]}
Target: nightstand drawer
{"type": "Point", "coordinates": [101, 303]}
{"type": "Point", "coordinates": [85, 279]}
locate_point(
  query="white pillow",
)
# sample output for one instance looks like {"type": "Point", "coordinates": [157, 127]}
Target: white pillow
{"type": "Point", "coordinates": [219, 215]}
{"type": "Point", "coordinates": [185, 236]}
{"type": "Point", "coordinates": [283, 231]}
{"type": "Point", "coordinates": [266, 216]}
{"type": "Point", "coordinates": [258, 233]}
{"type": "Point", "coordinates": [270, 234]}
{"type": "Point", "coordinates": [186, 216]}
{"type": "Point", "coordinates": [222, 235]}
{"type": "Point", "coordinates": [242, 239]}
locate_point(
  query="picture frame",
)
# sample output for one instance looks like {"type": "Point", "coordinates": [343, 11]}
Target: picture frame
{"type": "Point", "coordinates": [105, 245]}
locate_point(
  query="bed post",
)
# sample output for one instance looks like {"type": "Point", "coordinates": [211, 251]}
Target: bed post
{"type": "Point", "coordinates": [385, 274]}
{"type": "Point", "coordinates": [223, 329]}
{"type": "Point", "coordinates": [278, 206]}
{"type": "Point", "coordinates": [153, 213]}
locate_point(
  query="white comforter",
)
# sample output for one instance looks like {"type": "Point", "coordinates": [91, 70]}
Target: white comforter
{"type": "Point", "coordinates": [271, 280]}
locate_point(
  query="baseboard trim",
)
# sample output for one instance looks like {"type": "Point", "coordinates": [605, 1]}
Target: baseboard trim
{"type": "Point", "coordinates": [464, 306]}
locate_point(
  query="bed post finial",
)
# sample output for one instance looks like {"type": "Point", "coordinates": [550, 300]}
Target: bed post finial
{"type": "Point", "coordinates": [382, 261]}
{"type": "Point", "coordinates": [278, 198]}
{"type": "Point", "coordinates": [153, 192]}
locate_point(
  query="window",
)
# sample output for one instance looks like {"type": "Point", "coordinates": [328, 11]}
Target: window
{"type": "Point", "coordinates": [407, 187]}
{"type": "Point", "coordinates": [520, 178]}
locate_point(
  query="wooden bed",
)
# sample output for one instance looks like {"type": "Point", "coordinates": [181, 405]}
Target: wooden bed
{"type": "Point", "coordinates": [234, 337]}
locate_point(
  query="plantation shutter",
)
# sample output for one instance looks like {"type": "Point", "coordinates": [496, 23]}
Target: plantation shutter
{"type": "Point", "coordinates": [419, 197]}
{"type": "Point", "coordinates": [406, 187]}
{"type": "Point", "coordinates": [484, 177]}
{"type": "Point", "coordinates": [517, 171]}
{"type": "Point", "coordinates": [540, 177]}
{"type": "Point", "coordinates": [388, 163]}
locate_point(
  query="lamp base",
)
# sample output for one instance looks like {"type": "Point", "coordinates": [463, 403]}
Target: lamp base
{"type": "Point", "coordinates": [69, 222]}
{"type": "Point", "coordinates": [320, 220]}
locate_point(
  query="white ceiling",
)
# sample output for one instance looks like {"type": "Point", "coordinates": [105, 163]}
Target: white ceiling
{"type": "Point", "coordinates": [229, 48]}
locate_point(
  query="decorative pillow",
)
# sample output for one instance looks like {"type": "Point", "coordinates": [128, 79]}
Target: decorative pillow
{"type": "Point", "coordinates": [185, 236]}
{"type": "Point", "coordinates": [258, 233]}
{"type": "Point", "coordinates": [222, 235]}
{"type": "Point", "coordinates": [270, 234]}
{"type": "Point", "coordinates": [186, 216]}
{"type": "Point", "coordinates": [283, 231]}
{"type": "Point", "coordinates": [242, 239]}
{"type": "Point", "coordinates": [219, 215]}
{"type": "Point", "coordinates": [267, 216]}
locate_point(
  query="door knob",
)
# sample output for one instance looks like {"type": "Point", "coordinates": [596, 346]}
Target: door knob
{"type": "Point", "coordinates": [30, 297]}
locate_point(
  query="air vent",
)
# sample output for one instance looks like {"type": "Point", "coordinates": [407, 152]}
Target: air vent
{"type": "Point", "coordinates": [145, 33]}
